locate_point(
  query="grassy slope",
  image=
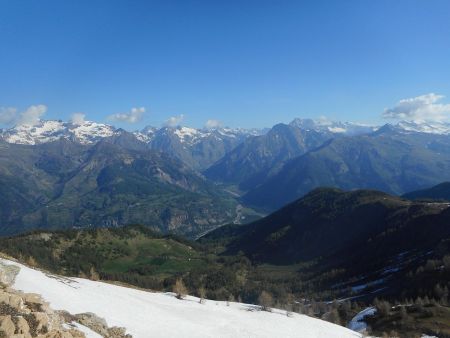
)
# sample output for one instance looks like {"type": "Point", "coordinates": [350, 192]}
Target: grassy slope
{"type": "Point", "coordinates": [123, 252]}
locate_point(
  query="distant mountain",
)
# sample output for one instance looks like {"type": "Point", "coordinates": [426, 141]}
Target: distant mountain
{"type": "Point", "coordinates": [440, 128]}
{"type": "Point", "coordinates": [198, 148]}
{"type": "Point", "coordinates": [257, 158]}
{"type": "Point", "coordinates": [388, 159]}
{"type": "Point", "coordinates": [350, 240]}
{"type": "Point", "coordinates": [438, 192]}
{"type": "Point", "coordinates": [335, 127]}
{"type": "Point", "coordinates": [115, 181]}
{"type": "Point", "coordinates": [51, 130]}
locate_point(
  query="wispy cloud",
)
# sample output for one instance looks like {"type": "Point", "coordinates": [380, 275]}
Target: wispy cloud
{"type": "Point", "coordinates": [174, 121]}
{"type": "Point", "coordinates": [7, 115]}
{"type": "Point", "coordinates": [78, 118]}
{"type": "Point", "coordinates": [133, 116]}
{"type": "Point", "coordinates": [211, 124]}
{"type": "Point", "coordinates": [420, 108]}
{"type": "Point", "coordinates": [32, 115]}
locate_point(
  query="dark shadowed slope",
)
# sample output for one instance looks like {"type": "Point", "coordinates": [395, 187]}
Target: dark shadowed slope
{"type": "Point", "coordinates": [438, 192]}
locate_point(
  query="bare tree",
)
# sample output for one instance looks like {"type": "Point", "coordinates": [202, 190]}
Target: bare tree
{"type": "Point", "coordinates": [180, 289]}
{"type": "Point", "coordinates": [202, 294]}
{"type": "Point", "coordinates": [93, 274]}
{"type": "Point", "coordinates": [230, 299]}
{"type": "Point", "coordinates": [265, 300]}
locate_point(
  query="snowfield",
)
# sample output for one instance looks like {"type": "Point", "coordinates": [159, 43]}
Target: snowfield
{"type": "Point", "coordinates": [152, 314]}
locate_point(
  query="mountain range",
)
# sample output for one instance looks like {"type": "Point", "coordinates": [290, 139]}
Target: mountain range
{"type": "Point", "coordinates": [61, 174]}
{"type": "Point", "coordinates": [113, 182]}
{"type": "Point", "coordinates": [388, 159]}
{"type": "Point", "coordinates": [198, 148]}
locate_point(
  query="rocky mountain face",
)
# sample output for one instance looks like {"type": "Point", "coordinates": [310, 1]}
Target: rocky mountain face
{"type": "Point", "coordinates": [113, 182]}
{"type": "Point", "coordinates": [197, 148]}
{"type": "Point", "coordinates": [257, 158]}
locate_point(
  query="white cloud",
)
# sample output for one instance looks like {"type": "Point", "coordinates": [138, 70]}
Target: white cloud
{"type": "Point", "coordinates": [174, 121]}
{"type": "Point", "coordinates": [420, 108]}
{"type": "Point", "coordinates": [211, 124]}
{"type": "Point", "coordinates": [7, 115]}
{"type": "Point", "coordinates": [32, 115]}
{"type": "Point", "coordinates": [78, 118]}
{"type": "Point", "coordinates": [133, 116]}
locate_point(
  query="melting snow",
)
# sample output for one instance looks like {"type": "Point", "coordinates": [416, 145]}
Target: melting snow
{"type": "Point", "coordinates": [147, 314]}
{"type": "Point", "coordinates": [357, 323]}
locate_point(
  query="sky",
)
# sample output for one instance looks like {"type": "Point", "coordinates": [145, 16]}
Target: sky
{"type": "Point", "coordinates": [234, 63]}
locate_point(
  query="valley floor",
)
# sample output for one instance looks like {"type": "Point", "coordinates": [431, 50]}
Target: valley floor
{"type": "Point", "coordinates": [146, 314]}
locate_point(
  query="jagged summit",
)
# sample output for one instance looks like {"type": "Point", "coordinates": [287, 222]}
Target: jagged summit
{"type": "Point", "coordinates": [89, 132]}
{"type": "Point", "coordinates": [50, 130]}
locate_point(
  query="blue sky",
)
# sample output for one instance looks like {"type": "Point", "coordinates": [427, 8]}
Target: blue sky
{"type": "Point", "coordinates": [244, 63]}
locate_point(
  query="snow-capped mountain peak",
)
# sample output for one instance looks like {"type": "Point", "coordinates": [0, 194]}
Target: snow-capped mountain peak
{"type": "Point", "coordinates": [89, 132]}
{"type": "Point", "coordinates": [51, 130]}
{"type": "Point", "coordinates": [186, 134]}
{"type": "Point", "coordinates": [334, 127]}
{"type": "Point", "coordinates": [442, 128]}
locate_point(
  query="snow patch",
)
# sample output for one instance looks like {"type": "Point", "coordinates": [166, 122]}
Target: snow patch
{"type": "Point", "coordinates": [150, 314]}
{"type": "Point", "coordinates": [357, 323]}
{"type": "Point", "coordinates": [87, 331]}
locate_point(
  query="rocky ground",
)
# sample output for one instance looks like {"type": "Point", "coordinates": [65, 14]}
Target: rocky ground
{"type": "Point", "coordinates": [27, 315]}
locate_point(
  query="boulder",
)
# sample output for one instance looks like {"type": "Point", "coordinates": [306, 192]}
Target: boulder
{"type": "Point", "coordinates": [94, 322]}
{"type": "Point", "coordinates": [42, 320]}
{"type": "Point", "coordinates": [15, 301]}
{"type": "Point", "coordinates": [7, 326]}
{"type": "Point", "coordinates": [22, 326]}
{"type": "Point", "coordinates": [8, 273]}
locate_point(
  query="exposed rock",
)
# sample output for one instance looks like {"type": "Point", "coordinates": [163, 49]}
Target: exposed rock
{"type": "Point", "coordinates": [22, 326]}
{"type": "Point", "coordinates": [7, 326]}
{"type": "Point", "coordinates": [27, 315]}
{"type": "Point", "coordinates": [63, 334]}
{"type": "Point", "coordinates": [8, 273]}
{"type": "Point", "coordinates": [97, 324]}
{"type": "Point", "coordinates": [93, 322]}
{"type": "Point", "coordinates": [42, 320]}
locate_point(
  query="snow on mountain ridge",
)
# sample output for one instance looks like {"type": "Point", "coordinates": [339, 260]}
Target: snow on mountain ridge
{"type": "Point", "coordinates": [90, 132]}
{"type": "Point", "coordinates": [425, 127]}
{"type": "Point", "coordinates": [351, 128]}
{"type": "Point", "coordinates": [334, 127]}
{"type": "Point", "coordinates": [52, 130]}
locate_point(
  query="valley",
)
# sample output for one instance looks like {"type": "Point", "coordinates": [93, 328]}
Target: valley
{"type": "Point", "coordinates": [225, 169]}
{"type": "Point", "coordinates": [117, 209]}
